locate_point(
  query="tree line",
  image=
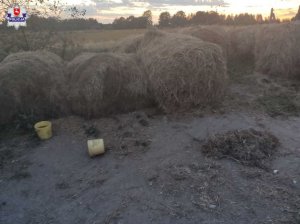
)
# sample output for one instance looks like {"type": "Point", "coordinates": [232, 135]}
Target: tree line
{"type": "Point", "coordinates": [37, 23]}
{"type": "Point", "coordinates": [130, 22]}
{"type": "Point", "coordinates": [179, 19]}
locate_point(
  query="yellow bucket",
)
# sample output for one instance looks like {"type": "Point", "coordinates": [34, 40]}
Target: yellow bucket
{"type": "Point", "coordinates": [43, 129]}
{"type": "Point", "coordinates": [95, 147]}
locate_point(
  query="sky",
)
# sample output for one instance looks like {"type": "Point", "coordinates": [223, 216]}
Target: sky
{"type": "Point", "coordinates": [106, 11]}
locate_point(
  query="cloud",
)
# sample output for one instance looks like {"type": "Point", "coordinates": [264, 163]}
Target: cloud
{"type": "Point", "coordinates": [157, 3]}
{"type": "Point", "coordinates": [107, 8]}
{"type": "Point", "coordinates": [103, 10]}
{"type": "Point", "coordinates": [186, 2]}
{"type": "Point", "coordinates": [286, 13]}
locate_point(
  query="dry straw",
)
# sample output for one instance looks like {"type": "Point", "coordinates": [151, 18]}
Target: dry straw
{"type": "Point", "coordinates": [277, 50]}
{"type": "Point", "coordinates": [105, 83]}
{"type": "Point", "coordinates": [3, 55]}
{"type": "Point", "coordinates": [30, 83]}
{"type": "Point", "coordinates": [242, 41]}
{"type": "Point", "coordinates": [182, 71]}
{"type": "Point", "coordinates": [214, 34]}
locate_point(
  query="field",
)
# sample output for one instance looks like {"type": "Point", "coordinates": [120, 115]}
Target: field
{"type": "Point", "coordinates": [194, 132]}
{"type": "Point", "coordinates": [93, 36]}
{"type": "Point", "coordinates": [69, 42]}
{"type": "Point", "coordinates": [99, 40]}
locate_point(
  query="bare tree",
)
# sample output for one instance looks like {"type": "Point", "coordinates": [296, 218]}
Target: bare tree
{"type": "Point", "coordinates": [272, 16]}
{"type": "Point", "coordinates": [50, 39]}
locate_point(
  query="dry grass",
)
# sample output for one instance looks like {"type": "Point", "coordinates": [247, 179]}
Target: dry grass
{"type": "Point", "coordinates": [182, 71]}
{"type": "Point", "coordinates": [98, 41]}
{"type": "Point", "coordinates": [280, 104]}
{"type": "Point", "coordinates": [66, 44]}
{"type": "Point", "coordinates": [105, 83]}
{"type": "Point", "coordinates": [96, 36]}
{"type": "Point", "coordinates": [98, 46]}
{"type": "Point", "coordinates": [202, 180]}
{"type": "Point", "coordinates": [31, 83]}
{"type": "Point", "coordinates": [277, 50]}
{"type": "Point", "coordinates": [249, 147]}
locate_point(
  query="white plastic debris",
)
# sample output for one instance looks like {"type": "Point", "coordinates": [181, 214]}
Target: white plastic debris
{"type": "Point", "coordinates": [212, 206]}
{"type": "Point", "coordinates": [294, 181]}
{"type": "Point", "coordinates": [275, 171]}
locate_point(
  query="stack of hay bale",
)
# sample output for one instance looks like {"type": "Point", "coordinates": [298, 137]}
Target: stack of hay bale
{"type": "Point", "coordinates": [105, 83]}
{"type": "Point", "coordinates": [277, 50]}
{"type": "Point", "coordinates": [175, 71]}
{"type": "Point", "coordinates": [181, 71]}
{"type": "Point", "coordinates": [214, 34]}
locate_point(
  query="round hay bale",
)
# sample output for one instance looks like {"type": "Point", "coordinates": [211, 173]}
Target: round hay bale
{"type": "Point", "coordinates": [129, 44]}
{"type": "Point", "coordinates": [106, 83]}
{"type": "Point", "coordinates": [242, 41]}
{"type": "Point", "coordinates": [30, 84]}
{"type": "Point", "coordinates": [78, 61]}
{"type": "Point", "coordinates": [277, 50]}
{"type": "Point", "coordinates": [213, 34]}
{"type": "Point", "coordinates": [182, 70]}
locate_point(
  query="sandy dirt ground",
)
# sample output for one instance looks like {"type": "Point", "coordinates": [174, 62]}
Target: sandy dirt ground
{"type": "Point", "coordinates": [153, 170]}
